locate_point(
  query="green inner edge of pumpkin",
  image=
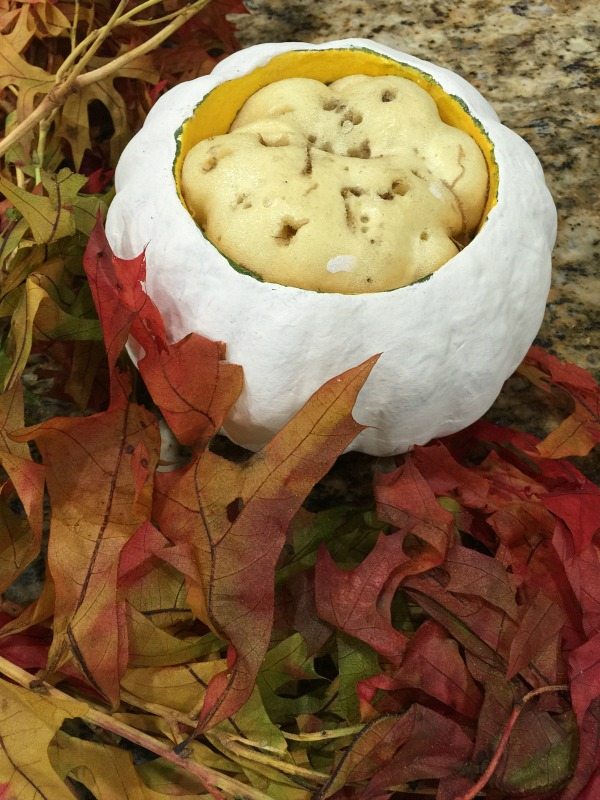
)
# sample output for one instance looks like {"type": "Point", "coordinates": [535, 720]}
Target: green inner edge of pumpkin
{"type": "Point", "coordinates": [217, 110]}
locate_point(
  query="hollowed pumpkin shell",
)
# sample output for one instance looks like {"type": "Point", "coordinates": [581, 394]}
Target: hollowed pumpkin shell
{"type": "Point", "coordinates": [448, 342]}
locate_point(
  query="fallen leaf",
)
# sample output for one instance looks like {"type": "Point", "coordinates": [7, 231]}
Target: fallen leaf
{"type": "Point", "coordinates": [28, 722]}
{"type": "Point", "coordinates": [539, 628]}
{"type": "Point", "coordinates": [582, 569]}
{"type": "Point", "coordinates": [349, 599]}
{"type": "Point", "coordinates": [30, 80]}
{"type": "Point", "coordinates": [178, 687]}
{"type": "Point", "coordinates": [434, 666]}
{"type": "Point", "coordinates": [38, 315]}
{"type": "Point", "coordinates": [284, 666]}
{"type": "Point", "coordinates": [104, 770]}
{"type": "Point", "coordinates": [446, 476]}
{"type": "Point", "coordinates": [580, 431]}
{"type": "Point", "coordinates": [193, 399]}
{"type": "Point", "coordinates": [50, 218]}
{"type": "Point", "coordinates": [396, 749]}
{"type": "Point", "coordinates": [585, 783]}
{"type": "Point", "coordinates": [584, 667]}
{"type": "Point", "coordinates": [20, 536]}
{"type": "Point", "coordinates": [92, 491]}
{"type": "Point", "coordinates": [579, 509]}
{"type": "Point", "coordinates": [356, 663]}
{"type": "Point", "coordinates": [525, 530]}
{"type": "Point", "coordinates": [542, 748]}
{"type": "Point", "coordinates": [405, 500]}
{"type": "Point", "coordinates": [236, 522]}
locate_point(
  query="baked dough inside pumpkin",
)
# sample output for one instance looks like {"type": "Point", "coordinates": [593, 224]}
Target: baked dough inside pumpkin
{"type": "Point", "coordinates": [352, 187]}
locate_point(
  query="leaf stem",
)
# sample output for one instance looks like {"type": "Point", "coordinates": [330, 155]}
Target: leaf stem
{"type": "Point", "coordinates": [158, 710]}
{"type": "Point", "coordinates": [216, 783]}
{"type": "Point", "coordinates": [159, 37]}
{"type": "Point", "coordinates": [508, 729]}
{"type": "Point", "coordinates": [88, 45]}
{"type": "Point", "coordinates": [321, 736]}
{"type": "Point", "coordinates": [74, 24]}
{"type": "Point", "coordinates": [101, 36]}
{"type": "Point", "coordinates": [73, 82]}
{"type": "Point", "coordinates": [250, 754]}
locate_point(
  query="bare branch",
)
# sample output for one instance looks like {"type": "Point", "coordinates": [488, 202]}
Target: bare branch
{"type": "Point", "coordinates": [214, 782]}
{"type": "Point", "coordinates": [74, 81]}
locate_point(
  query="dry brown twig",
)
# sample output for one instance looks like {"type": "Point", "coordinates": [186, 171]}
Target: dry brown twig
{"type": "Point", "coordinates": [213, 781]}
{"type": "Point", "coordinates": [71, 76]}
{"type": "Point", "coordinates": [472, 793]}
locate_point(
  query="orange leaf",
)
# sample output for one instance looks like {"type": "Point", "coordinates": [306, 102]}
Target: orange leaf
{"type": "Point", "coordinates": [19, 538]}
{"type": "Point", "coordinates": [234, 518]}
{"type": "Point", "coordinates": [96, 507]}
{"type": "Point", "coordinates": [577, 434]}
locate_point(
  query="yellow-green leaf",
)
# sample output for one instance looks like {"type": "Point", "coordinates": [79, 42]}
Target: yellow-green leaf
{"type": "Point", "coordinates": [49, 218]}
{"type": "Point", "coordinates": [181, 688]}
{"type": "Point", "coordinates": [37, 315]}
{"type": "Point", "coordinates": [107, 772]}
{"type": "Point", "coordinates": [28, 723]}
{"type": "Point", "coordinates": [27, 78]}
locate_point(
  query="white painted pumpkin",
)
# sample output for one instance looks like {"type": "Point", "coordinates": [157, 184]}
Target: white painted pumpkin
{"type": "Point", "coordinates": [448, 343]}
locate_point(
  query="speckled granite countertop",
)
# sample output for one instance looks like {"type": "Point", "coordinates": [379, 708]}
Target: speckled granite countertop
{"type": "Point", "coordinates": [536, 62]}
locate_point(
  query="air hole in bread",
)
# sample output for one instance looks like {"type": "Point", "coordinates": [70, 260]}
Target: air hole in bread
{"type": "Point", "coordinates": [400, 187]}
{"type": "Point", "coordinates": [289, 228]}
{"type": "Point", "coordinates": [362, 151]}
{"type": "Point", "coordinates": [274, 140]}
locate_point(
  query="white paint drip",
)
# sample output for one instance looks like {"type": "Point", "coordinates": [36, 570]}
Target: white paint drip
{"type": "Point", "coordinates": [341, 264]}
{"type": "Point", "coordinates": [436, 190]}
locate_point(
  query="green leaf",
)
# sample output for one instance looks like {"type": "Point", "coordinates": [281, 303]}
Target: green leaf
{"type": "Point", "coordinates": [36, 314]}
{"type": "Point", "coordinates": [356, 661]}
{"type": "Point", "coordinates": [283, 666]}
{"type": "Point", "coordinates": [50, 218]}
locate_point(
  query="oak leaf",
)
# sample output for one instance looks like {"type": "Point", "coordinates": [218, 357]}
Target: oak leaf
{"type": "Point", "coordinates": [29, 79]}
{"type": "Point", "coordinates": [349, 600]}
{"type": "Point", "coordinates": [582, 569]}
{"type": "Point", "coordinates": [584, 665]}
{"type": "Point", "coordinates": [189, 381]}
{"type": "Point", "coordinates": [434, 666]}
{"type": "Point", "coordinates": [20, 536]}
{"type": "Point", "coordinates": [580, 431]}
{"type": "Point", "coordinates": [234, 518]}
{"type": "Point", "coordinates": [179, 687]}
{"type": "Point", "coordinates": [405, 500]}
{"type": "Point", "coordinates": [109, 772]}
{"type": "Point", "coordinates": [49, 217]}
{"type": "Point", "coordinates": [542, 748]}
{"type": "Point", "coordinates": [539, 630]}
{"type": "Point", "coordinates": [92, 474]}
{"type": "Point", "coordinates": [28, 723]}
{"type": "Point", "coordinates": [38, 315]}
{"type": "Point", "coordinates": [94, 512]}
{"type": "Point", "coordinates": [396, 749]}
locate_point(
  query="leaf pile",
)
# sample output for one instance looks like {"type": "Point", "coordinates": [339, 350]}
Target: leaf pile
{"type": "Point", "coordinates": [443, 640]}
{"type": "Point", "coordinates": [76, 81]}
